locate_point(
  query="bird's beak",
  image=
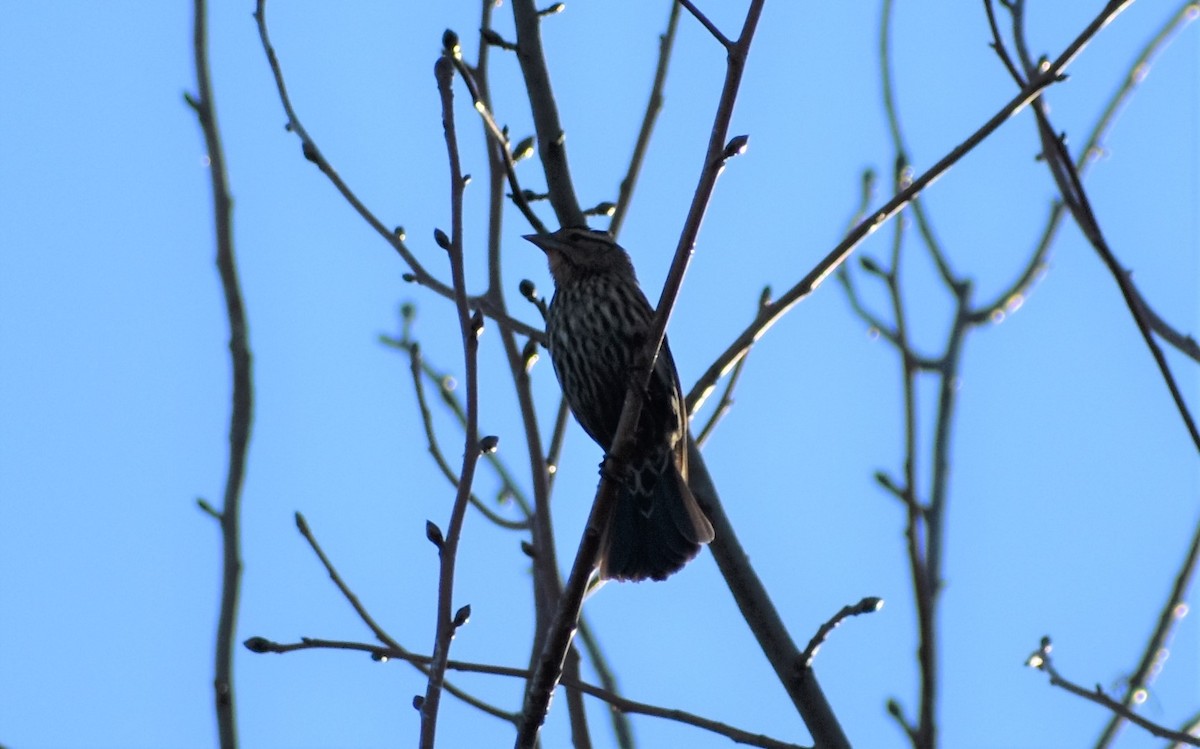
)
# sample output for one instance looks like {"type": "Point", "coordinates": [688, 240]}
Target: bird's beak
{"type": "Point", "coordinates": [537, 240]}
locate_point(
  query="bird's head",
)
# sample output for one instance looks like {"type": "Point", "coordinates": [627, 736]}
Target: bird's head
{"type": "Point", "coordinates": [577, 252]}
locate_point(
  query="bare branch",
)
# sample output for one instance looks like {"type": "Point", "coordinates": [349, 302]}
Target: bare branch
{"type": "Point", "coordinates": [419, 370]}
{"type": "Point", "coordinates": [1070, 185]}
{"type": "Point", "coordinates": [392, 645]}
{"type": "Point", "coordinates": [703, 19]}
{"type": "Point", "coordinates": [770, 314]}
{"type": "Point", "coordinates": [396, 239]}
{"type": "Point", "coordinates": [242, 409]}
{"type": "Point", "coordinates": [725, 403]}
{"type": "Point", "coordinates": [263, 645]}
{"type": "Point", "coordinates": [666, 45]}
{"type": "Point", "coordinates": [1041, 661]}
{"type": "Point", "coordinates": [551, 143]}
{"type": "Point", "coordinates": [470, 327]}
{"type": "Point", "coordinates": [866, 606]}
{"type": "Point", "coordinates": [550, 663]}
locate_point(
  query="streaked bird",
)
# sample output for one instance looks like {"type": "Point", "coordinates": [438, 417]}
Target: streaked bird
{"type": "Point", "coordinates": [597, 323]}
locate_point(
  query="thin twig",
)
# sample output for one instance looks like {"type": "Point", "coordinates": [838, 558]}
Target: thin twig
{"type": "Point", "coordinates": [703, 19]}
{"type": "Point", "coordinates": [867, 605]}
{"type": "Point", "coordinates": [666, 45]}
{"type": "Point", "coordinates": [442, 381]}
{"type": "Point", "coordinates": [1041, 661]}
{"type": "Point", "coordinates": [622, 704]}
{"type": "Point", "coordinates": [312, 153]}
{"type": "Point", "coordinates": [770, 314]}
{"type": "Point", "coordinates": [376, 629]}
{"type": "Point", "coordinates": [924, 592]}
{"type": "Point", "coordinates": [1070, 185]}
{"type": "Point", "coordinates": [418, 368]}
{"type": "Point", "coordinates": [242, 409]}
{"type": "Point", "coordinates": [621, 727]}
{"type": "Point", "coordinates": [902, 160]}
{"type": "Point", "coordinates": [347, 593]}
{"type": "Point", "coordinates": [1172, 612]}
{"type": "Point", "coordinates": [503, 146]}
{"type": "Point", "coordinates": [470, 327]}
{"type": "Point", "coordinates": [557, 435]}
{"type": "Point", "coordinates": [725, 402]}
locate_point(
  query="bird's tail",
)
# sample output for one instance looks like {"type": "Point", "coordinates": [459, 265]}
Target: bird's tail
{"type": "Point", "coordinates": [653, 534]}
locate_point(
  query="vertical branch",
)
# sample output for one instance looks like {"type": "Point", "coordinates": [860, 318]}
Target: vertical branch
{"type": "Point", "coordinates": [242, 410]}
{"type": "Point", "coordinates": [915, 532]}
{"type": "Point", "coordinates": [470, 327]}
{"type": "Point", "coordinates": [666, 45]}
{"type": "Point", "coordinates": [549, 668]}
{"type": "Point", "coordinates": [551, 139]}
{"type": "Point", "coordinates": [547, 583]}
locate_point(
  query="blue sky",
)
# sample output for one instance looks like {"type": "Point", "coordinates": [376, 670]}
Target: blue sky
{"type": "Point", "coordinates": [1074, 485]}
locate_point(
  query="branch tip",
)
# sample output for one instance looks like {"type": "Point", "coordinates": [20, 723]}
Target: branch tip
{"type": "Point", "coordinates": [258, 645]}
{"type": "Point", "coordinates": [203, 504]}
{"type": "Point", "coordinates": [450, 44]}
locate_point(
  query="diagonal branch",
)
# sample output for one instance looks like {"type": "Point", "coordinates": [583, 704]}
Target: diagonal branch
{"type": "Point", "coordinates": [393, 237]}
{"type": "Point", "coordinates": [1070, 185]}
{"type": "Point", "coordinates": [551, 141]}
{"type": "Point", "coordinates": [771, 313]}
{"type": "Point", "coordinates": [666, 45]}
{"type": "Point", "coordinates": [1040, 660]}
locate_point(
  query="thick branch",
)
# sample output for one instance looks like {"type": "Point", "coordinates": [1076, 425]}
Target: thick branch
{"type": "Point", "coordinates": [549, 668]}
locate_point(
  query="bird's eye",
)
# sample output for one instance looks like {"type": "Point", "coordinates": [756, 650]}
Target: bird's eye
{"type": "Point", "coordinates": [575, 237]}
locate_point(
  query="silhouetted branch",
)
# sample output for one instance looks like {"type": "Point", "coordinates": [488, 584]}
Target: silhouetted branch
{"type": "Point", "coordinates": [242, 409]}
{"type": "Point", "coordinates": [771, 313]}
{"type": "Point", "coordinates": [865, 606]}
{"type": "Point", "coordinates": [393, 237]}
{"type": "Point", "coordinates": [550, 663]}
{"type": "Point", "coordinates": [1070, 185]}
{"type": "Point", "coordinates": [624, 705]}
{"type": "Point", "coordinates": [392, 645]}
{"type": "Point", "coordinates": [666, 44]}
{"type": "Point", "coordinates": [470, 326]}
{"type": "Point", "coordinates": [1041, 661]}
{"type": "Point", "coordinates": [551, 144]}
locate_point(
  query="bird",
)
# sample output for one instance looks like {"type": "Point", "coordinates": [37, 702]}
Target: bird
{"type": "Point", "coordinates": [597, 324]}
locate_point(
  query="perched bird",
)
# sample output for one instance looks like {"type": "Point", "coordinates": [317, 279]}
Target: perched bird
{"type": "Point", "coordinates": [597, 324]}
